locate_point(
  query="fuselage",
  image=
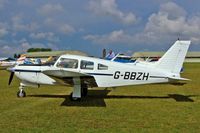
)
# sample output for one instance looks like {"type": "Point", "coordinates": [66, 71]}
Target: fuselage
{"type": "Point", "coordinates": [106, 73]}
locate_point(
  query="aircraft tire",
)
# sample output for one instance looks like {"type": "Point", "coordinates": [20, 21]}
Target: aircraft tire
{"type": "Point", "coordinates": [21, 93]}
{"type": "Point", "coordinates": [74, 98]}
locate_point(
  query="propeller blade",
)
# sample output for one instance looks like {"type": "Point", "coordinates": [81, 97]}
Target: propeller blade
{"type": "Point", "coordinates": [11, 77]}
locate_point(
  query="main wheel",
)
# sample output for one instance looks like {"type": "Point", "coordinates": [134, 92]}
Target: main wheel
{"type": "Point", "coordinates": [74, 98]}
{"type": "Point", "coordinates": [21, 93]}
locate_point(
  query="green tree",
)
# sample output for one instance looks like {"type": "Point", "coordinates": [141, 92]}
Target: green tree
{"type": "Point", "coordinates": [39, 49]}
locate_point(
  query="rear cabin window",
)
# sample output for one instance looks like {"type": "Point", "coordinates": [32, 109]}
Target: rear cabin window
{"type": "Point", "coordinates": [102, 67]}
{"type": "Point", "coordinates": [67, 63]}
{"type": "Point", "coordinates": [87, 65]}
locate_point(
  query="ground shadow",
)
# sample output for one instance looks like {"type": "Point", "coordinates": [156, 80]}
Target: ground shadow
{"type": "Point", "coordinates": [96, 98]}
{"type": "Point", "coordinates": [182, 98]}
{"type": "Point", "coordinates": [177, 97]}
{"type": "Point", "coordinates": [178, 83]}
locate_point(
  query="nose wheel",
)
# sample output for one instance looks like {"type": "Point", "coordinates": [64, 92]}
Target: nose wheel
{"type": "Point", "coordinates": [21, 92]}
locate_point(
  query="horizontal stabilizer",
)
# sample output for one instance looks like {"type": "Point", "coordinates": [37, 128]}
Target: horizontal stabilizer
{"type": "Point", "coordinates": [178, 79]}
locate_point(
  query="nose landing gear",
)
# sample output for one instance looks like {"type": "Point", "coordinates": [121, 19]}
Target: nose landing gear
{"type": "Point", "coordinates": [21, 92]}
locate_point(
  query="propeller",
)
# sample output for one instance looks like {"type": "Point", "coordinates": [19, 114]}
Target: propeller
{"type": "Point", "coordinates": [12, 72]}
{"type": "Point", "coordinates": [11, 77]}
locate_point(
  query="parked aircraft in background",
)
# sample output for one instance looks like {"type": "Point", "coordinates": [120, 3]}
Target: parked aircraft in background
{"type": "Point", "coordinates": [7, 61]}
{"type": "Point", "coordinates": [123, 58]}
{"type": "Point", "coordinates": [83, 72]}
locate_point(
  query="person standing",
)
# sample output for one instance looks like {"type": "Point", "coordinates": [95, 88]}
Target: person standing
{"type": "Point", "coordinates": [110, 55]}
{"type": "Point", "coordinates": [104, 53]}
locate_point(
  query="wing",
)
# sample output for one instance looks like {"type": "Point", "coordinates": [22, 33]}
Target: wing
{"type": "Point", "coordinates": [66, 77]}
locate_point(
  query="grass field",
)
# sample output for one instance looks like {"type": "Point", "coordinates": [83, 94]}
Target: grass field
{"type": "Point", "coordinates": [147, 108]}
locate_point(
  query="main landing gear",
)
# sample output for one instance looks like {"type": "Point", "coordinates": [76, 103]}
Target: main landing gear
{"type": "Point", "coordinates": [84, 92]}
{"type": "Point", "coordinates": [21, 92]}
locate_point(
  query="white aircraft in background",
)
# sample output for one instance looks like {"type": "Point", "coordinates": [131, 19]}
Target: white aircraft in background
{"type": "Point", "coordinates": [7, 62]}
{"type": "Point", "coordinates": [83, 72]}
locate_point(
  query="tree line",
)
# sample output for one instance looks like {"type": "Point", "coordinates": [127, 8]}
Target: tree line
{"type": "Point", "coordinates": [33, 50]}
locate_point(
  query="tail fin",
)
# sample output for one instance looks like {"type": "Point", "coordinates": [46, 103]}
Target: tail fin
{"type": "Point", "coordinates": [173, 59]}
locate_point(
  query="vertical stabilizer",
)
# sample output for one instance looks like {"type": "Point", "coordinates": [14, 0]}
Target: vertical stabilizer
{"type": "Point", "coordinates": [173, 59]}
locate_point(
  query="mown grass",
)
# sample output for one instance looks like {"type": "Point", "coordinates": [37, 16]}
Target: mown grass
{"type": "Point", "coordinates": [147, 108]}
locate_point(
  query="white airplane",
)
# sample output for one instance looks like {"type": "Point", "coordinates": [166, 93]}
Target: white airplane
{"type": "Point", "coordinates": [7, 62]}
{"type": "Point", "coordinates": [82, 72]}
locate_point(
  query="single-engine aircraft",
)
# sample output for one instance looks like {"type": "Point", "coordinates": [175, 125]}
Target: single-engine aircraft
{"type": "Point", "coordinates": [83, 72]}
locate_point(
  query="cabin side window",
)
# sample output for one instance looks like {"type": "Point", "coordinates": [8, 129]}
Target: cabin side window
{"type": "Point", "coordinates": [87, 65]}
{"type": "Point", "coordinates": [67, 63]}
{"type": "Point", "coordinates": [102, 67]}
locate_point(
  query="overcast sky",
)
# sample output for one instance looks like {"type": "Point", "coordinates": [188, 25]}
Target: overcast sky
{"type": "Point", "coordinates": [124, 26]}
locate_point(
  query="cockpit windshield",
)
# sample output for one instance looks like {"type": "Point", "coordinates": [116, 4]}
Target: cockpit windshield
{"type": "Point", "coordinates": [67, 63]}
{"type": "Point", "coordinates": [51, 61]}
{"type": "Point", "coordinates": [38, 62]}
